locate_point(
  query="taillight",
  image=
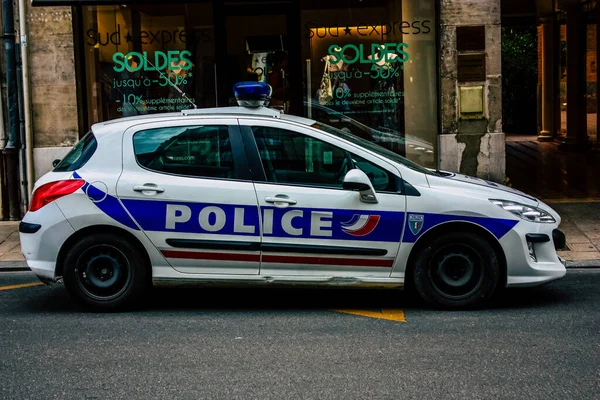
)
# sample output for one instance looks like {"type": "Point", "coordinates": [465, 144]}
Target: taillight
{"type": "Point", "coordinates": [49, 192]}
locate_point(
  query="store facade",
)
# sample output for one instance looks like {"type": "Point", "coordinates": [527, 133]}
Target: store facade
{"type": "Point", "coordinates": [370, 67]}
{"type": "Point", "coordinates": [421, 77]}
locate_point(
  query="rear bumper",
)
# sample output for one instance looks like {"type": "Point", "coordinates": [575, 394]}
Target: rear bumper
{"type": "Point", "coordinates": [42, 234]}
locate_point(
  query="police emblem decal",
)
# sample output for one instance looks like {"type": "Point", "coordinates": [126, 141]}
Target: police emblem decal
{"type": "Point", "coordinates": [415, 223]}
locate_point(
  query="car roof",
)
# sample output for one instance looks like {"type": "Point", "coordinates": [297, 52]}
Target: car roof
{"type": "Point", "coordinates": [121, 124]}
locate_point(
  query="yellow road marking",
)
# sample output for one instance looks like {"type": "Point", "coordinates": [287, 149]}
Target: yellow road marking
{"type": "Point", "coordinates": [389, 314]}
{"type": "Point", "coordinates": [22, 285]}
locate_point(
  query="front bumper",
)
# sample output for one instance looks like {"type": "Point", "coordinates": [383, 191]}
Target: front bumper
{"type": "Point", "coordinates": [531, 258]}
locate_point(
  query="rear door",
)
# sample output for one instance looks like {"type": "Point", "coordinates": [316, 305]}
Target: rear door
{"type": "Point", "coordinates": [186, 184]}
{"type": "Point", "coordinates": [310, 225]}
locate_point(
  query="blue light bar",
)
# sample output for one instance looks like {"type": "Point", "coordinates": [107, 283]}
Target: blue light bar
{"type": "Point", "coordinates": [252, 94]}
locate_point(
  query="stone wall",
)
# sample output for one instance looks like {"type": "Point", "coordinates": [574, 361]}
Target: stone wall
{"type": "Point", "coordinates": [472, 146]}
{"type": "Point", "coordinates": [52, 80]}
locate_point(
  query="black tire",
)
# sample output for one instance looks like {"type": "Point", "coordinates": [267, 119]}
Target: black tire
{"type": "Point", "coordinates": [105, 272]}
{"type": "Point", "coordinates": [456, 270]}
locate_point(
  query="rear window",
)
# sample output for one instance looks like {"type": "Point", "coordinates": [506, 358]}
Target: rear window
{"type": "Point", "coordinates": [79, 154]}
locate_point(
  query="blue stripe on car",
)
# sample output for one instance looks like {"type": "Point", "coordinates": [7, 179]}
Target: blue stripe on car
{"type": "Point", "coordinates": [497, 226]}
{"type": "Point", "coordinates": [151, 216]}
{"type": "Point", "coordinates": [108, 204]}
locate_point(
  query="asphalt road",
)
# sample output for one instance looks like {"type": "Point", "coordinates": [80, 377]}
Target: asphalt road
{"type": "Point", "coordinates": [541, 343]}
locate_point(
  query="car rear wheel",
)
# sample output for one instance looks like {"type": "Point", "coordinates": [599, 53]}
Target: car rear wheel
{"type": "Point", "coordinates": [105, 272]}
{"type": "Point", "coordinates": [458, 270]}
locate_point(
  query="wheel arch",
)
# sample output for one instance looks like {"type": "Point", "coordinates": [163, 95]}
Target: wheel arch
{"type": "Point", "coordinates": [93, 230]}
{"type": "Point", "coordinates": [453, 227]}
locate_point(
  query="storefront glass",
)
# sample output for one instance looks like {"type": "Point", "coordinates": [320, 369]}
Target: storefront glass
{"type": "Point", "coordinates": [371, 70]}
{"type": "Point", "coordinates": [142, 59]}
{"type": "Point", "coordinates": [367, 67]}
{"type": "Point", "coordinates": [562, 76]}
{"type": "Point", "coordinates": [591, 93]}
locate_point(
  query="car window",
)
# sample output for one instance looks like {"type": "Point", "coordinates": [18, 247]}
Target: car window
{"type": "Point", "coordinates": [374, 147]}
{"type": "Point", "coordinates": [79, 154]}
{"type": "Point", "coordinates": [382, 180]}
{"type": "Point", "coordinates": [291, 157]}
{"type": "Point", "coordinates": [201, 151]}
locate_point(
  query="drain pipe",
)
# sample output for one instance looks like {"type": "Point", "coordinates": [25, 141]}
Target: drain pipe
{"type": "Point", "coordinates": [30, 178]}
{"type": "Point", "coordinates": [10, 152]}
{"type": "Point", "coordinates": [3, 188]}
{"type": "Point", "coordinates": [23, 156]}
{"type": "Point", "coordinates": [2, 130]}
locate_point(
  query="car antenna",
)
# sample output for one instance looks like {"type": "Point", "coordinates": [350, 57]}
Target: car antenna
{"type": "Point", "coordinates": [172, 84]}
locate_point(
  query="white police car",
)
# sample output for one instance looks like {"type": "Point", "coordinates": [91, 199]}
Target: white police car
{"type": "Point", "coordinates": [248, 195]}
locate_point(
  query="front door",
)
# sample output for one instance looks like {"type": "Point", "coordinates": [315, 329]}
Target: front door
{"type": "Point", "coordinates": [310, 225]}
{"type": "Point", "coordinates": [184, 183]}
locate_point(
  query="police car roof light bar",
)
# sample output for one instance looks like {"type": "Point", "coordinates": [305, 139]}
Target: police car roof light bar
{"type": "Point", "coordinates": [243, 111]}
{"type": "Point", "coordinates": [252, 94]}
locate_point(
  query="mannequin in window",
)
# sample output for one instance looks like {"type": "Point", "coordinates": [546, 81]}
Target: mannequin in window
{"type": "Point", "coordinates": [277, 78]}
{"type": "Point", "coordinates": [333, 64]}
{"type": "Point", "coordinates": [336, 63]}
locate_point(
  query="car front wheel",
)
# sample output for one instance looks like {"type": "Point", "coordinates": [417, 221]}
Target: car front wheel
{"type": "Point", "coordinates": [458, 270]}
{"type": "Point", "coordinates": [105, 272]}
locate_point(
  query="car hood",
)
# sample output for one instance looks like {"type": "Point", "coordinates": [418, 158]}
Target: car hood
{"type": "Point", "coordinates": [491, 189]}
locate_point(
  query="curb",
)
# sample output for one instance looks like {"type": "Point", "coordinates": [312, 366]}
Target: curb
{"type": "Point", "coordinates": [583, 264]}
{"type": "Point", "coordinates": [13, 266]}
{"type": "Point", "coordinates": [21, 266]}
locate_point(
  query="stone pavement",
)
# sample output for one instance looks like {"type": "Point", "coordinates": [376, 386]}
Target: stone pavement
{"type": "Point", "coordinates": [10, 248]}
{"type": "Point", "coordinates": [580, 223]}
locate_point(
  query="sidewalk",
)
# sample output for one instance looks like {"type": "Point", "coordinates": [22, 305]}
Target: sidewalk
{"type": "Point", "coordinates": [10, 248]}
{"type": "Point", "coordinates": [580, 223]}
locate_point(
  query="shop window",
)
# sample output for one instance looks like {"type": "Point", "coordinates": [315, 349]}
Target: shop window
{"type": "Point", "coordinates": [193, 151]}
{"type": "Point", "coordinates": [374, 63]}
{"type": "Point", "coordinates": [147, 58]}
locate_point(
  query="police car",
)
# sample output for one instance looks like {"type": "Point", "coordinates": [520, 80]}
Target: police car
{"type": "Point", "coordinates": [249, 195]}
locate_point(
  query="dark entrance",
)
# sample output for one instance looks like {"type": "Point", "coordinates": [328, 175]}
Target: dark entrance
{"type": "Point", "coordinates": [259, 41]}
{"type": "Point", "coordinates": [520, 89]}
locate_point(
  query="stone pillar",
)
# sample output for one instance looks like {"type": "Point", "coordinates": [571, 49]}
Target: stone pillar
{"type": "Point", "coordinates": [547, 103]}
{"type": "Point", "coordinates": [55, 122]}
{"type": "Point", "coordinates": [473, 147]}
{"type": "Point", "coordinates": [576, 138]}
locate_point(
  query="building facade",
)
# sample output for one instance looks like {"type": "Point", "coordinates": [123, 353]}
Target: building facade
{"type": "Point", "coordinates": [422, 76]}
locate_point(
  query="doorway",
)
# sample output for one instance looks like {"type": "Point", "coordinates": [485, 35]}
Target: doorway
{"type": "Point", "coordinates": [259, 41]}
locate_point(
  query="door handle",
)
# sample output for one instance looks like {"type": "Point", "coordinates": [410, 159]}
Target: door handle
{"type": "Point", "coordinates": [280, 199]}
{"type": "Point", "coordinates": [148, 187]}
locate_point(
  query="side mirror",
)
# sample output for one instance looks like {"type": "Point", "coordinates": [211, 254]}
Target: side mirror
{"type": "Point", "coordinates": [357, 181]}
{"type": "Point", "coordinates": [55, 162]}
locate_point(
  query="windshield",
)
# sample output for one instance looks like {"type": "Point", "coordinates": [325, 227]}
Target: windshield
{"type": "Point", "coordinates": [374, 147]}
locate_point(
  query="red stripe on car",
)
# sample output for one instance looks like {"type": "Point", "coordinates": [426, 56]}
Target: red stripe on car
{"type": "Point", "coordinates": [196, 255]}
{"type": "Point", "coordinates": [358, 262]}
